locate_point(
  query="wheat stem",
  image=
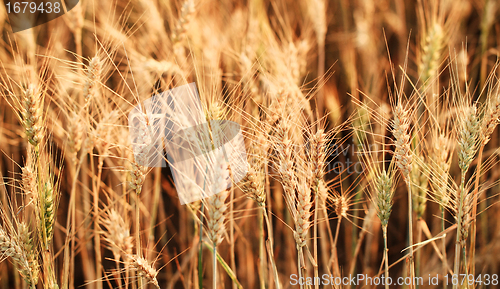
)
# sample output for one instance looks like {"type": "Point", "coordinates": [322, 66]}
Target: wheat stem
{"type": "Point", "coordinates": [315, 236]}
{"type": "Point", "coordinates": [474, 211]}
{"type": "Point", "coordinates": [334, 257]}
{"type": "Point", "coordinates": [410, 235]}
{"type": "Point", "coordinates": [70, 227]}
{"type": "Point", "coordinates": [460, 225]}
{"type": "Point", "coordinates": [214, 264]}
{"type": "Point", "coordinates": [443, 242]}
{"type": "Point", "coordinates": [299, 265]}
{"type": "Point", "coordinates": [404, 162]}
{"type": "Point", "coordinates": [97, 229]}
{"type": "Point", "coordinates": [270, 248]}
{"type": "Point", "coordinates": [138, 236]}
{"type": "Point", "coordinates": [200, 251]}
{"type": "Point", "coordinates": [262, 260]}
{"type": "Point", "coordinates": [231, 233]}
{"type": "Point", "coordinates": [386, 255]}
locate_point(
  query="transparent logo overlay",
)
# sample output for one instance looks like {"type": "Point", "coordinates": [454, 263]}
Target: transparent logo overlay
{"type": "Point", "coordinates": [205, 157]}
{"type": "Point", "coordinates": [28, 14]}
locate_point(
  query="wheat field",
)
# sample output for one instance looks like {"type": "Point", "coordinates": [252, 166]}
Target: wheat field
{"type": "Point", "coordinates": [251, 144]}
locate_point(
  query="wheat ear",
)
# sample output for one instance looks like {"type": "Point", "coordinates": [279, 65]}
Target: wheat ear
{"type": "Point", "coordinates": [47, 212]}
{"type": "Point", "coordinates": [144, 269]}
{"type": "Point", "coordinates": [187, 11]}
{"type": "Point", "coordinates": [468, 140]}
{"type": "Point", "coordinates": [318, 153]}
{"type": "Point", "coordinates": [138, 176]}
{"type": "Point", "coordinates": [384, 200]}
{"type": "Point", "coordinates": [439, 182]}
{"type": "Point", "coordinates": [29, 184]}
{"type": "Point", "coordinates": [216, 216]}
{"type": "Point", "coordinates": [92, 79]}
{"type": "Point", "coordinates": [75, 135]}
{"type": "Point", "coordinates": [296, 190]}
{"type": "Point", "coordinates": [300, 204]}
{"type": "Point", "coordinates": [402, 154]}
{"type": "Point", "coordinates": [490, 120]}
{"type": "Point", "coordinates": [11, 246]}
{"type": "Point", "coordinates": [217, 208]}
{"type": "Point", "coordinates": [32, 115]}
{"type": "Point", "coordinates": [117, 234]}
{"type": "Point", "coordinates": [254, 187]}
{"type": "Point", "coordinates": [29, 247]}
{"type": "Point", "coordinates": [488, 125]}
{"type": "Point", "coordinates": [431, 47]}
{"type": "Point", "coordinates": [402, 136]}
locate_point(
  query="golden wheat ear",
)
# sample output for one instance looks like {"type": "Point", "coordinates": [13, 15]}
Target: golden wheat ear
{"type": "Point", "coordinates": [401, 132]}
{"type": "Point", "coordinates": [144, 270]}
{"type": "Point", "coordinates": [32, 115]}
{"type": "Point", "coordinates": [117, 235]}
{"type": "Point", "coordinates": [216, 202]}
{"type": "Point", "coordinates": [468, 137]}
{"type": "Point", "coordinates": [491, 117]}
{"type": "Point", "coordinates": [14, 245]}
{"type": "Point", "coordinates": [92, 80]}
{"type": "Point", "coordinates": [253, 187]}
{"type": "Point", "coordinates": [180, 28]}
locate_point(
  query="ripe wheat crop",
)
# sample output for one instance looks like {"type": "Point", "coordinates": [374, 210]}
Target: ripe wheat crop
{"type": "Point", "coordinates": [325, 139]}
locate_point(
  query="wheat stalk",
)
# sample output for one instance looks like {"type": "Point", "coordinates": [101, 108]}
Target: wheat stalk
{"type": "Point", "coordinates": [402, 154]}
{"type": "Point", "coordinates": [440, 169]}
{"type": "Point", "coordinates": [384, 201]}
{"type": "Point", "coordinates": [317, 157]}
{"type": "Point", "coordinates": [439, 175]}
{"type": "Point", "coordinates": [420, 181]}
{"type": "Point", "coordinates": [118, 237]}
{"type": "Point", "coordinates": [296, 188]}
{"type": "Point", "coordinates": [216, 202]}
{"type": "Point", "coordinates": [138, 176]}
{"type": "Point", "coordinates": [468, 140]}
{"type": "Point", "coordinates": [380, 179]}
{"type": "Point", "coordinates": [488, 125]}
